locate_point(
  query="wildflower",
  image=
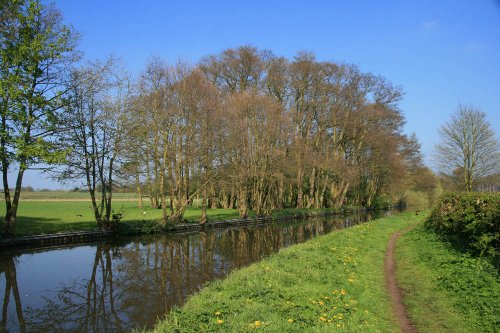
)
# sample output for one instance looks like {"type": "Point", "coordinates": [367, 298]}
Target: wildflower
{"type": "Point", "coordinates": [290, 320]}
{"type": "Point", "coordinates": [322, 319]}
{"type": "Point", "coordinates": [257, 323]}
{"type": "Point", "coordinates": [321, 303]}
{"type": "Point", "coordinates": [220, 321]}
{"type": "Point", "coordinates": [217, 313]}
{"type": "Point", "coordinates": [343, 292]}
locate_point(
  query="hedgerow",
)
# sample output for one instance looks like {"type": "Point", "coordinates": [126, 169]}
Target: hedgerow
{"type": "Point", "coordinates": [470, 221]}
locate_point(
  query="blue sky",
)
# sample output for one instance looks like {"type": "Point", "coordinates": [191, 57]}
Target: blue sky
{"type": "Point", "coordinates": [440, 52]}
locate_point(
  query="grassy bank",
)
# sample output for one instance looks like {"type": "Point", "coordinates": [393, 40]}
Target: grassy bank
{"type": "Point", "coordinates": [446, 290]}
{"type": "Point", "coordinates": [39, 217]}
{"type": "Point", "coordinates": [329, 283]}
{"type": "Point", "coordinates": [69, 213]}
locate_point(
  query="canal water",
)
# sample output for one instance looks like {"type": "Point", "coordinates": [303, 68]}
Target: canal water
{"type": "Point", "coordinates": [129, 283]}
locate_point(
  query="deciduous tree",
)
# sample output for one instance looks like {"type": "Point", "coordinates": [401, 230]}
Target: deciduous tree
{"type": "Point", "coordinates": [468, 146]}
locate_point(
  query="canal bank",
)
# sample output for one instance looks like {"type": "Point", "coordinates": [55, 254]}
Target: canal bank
{"type": "Point", "coordinates": [333, 282]}
{"type": "Point", "coordinates": [96, 287]}
{"type": "Point", "coordinates": [148, 227]}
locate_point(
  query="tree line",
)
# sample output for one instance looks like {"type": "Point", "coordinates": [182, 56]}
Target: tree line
{"type": "Point", "coordinates": [243, 129]}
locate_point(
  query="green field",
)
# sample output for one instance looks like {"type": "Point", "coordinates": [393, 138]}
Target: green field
{"type": "Point", "coordinates": [446, 290]}
{"type": "Point", "coordinates": [42, 217]}
{"type": "Point", "coordinates": [61, 211]}
{"type": "Point", "coordinates": [69, 195]}
{"type": "Point", "coordinates": [333, 282]}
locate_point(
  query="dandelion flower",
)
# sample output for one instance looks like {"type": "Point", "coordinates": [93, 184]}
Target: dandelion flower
{"type": "Point", "coordinates": [322, 319]}
{"type": "Point", "coordinates": [220, 321]}
{"type": "Point", "coordinates": [257, 323]}
{"type": "Point", "coordinates": [290, 320]}
{"type": "Point", "coordinates": [217, 313]}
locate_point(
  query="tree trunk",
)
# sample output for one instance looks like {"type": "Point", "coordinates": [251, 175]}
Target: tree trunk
{"type": "Point", "coordinates": [11, 215]}
{"type": "Point", "coordinates": [299, 189]}
{"type": "Point", "coordinates": [203, 219]}
{"type": "Point", "coordinates": [138, 188]}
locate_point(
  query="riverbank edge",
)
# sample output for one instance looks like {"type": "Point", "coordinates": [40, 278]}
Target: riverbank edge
{"type": "Point", "coordinates": [81, 237]}
{"type": "Point", "coordinates": [332, 282]}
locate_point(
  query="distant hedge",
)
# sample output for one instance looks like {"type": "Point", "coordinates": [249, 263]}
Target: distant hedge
{"type": "Point", "coordinates": [470, 221]}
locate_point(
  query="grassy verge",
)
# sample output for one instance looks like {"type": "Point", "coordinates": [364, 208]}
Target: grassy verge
{"type": "Point", "coordinates": [334, 282]}
{"type": "Point", "coordinates": [446, 290]}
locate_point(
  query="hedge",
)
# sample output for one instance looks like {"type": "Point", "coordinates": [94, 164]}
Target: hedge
{"type": "Point", "coordinates": [470, 221]}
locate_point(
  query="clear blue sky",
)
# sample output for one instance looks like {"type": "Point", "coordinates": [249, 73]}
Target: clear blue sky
{"type": "Point", "coordinates": [441, 52]}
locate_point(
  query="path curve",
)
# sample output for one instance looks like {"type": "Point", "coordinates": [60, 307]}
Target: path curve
{"type": "Point", "coordinates": [392, 286]}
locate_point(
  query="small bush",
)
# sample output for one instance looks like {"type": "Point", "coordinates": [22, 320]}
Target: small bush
{"type": "Point", "coordinates": [470, 221]}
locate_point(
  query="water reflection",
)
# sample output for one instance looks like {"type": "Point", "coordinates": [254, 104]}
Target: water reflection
{"type": "Point", "coordinates": [121, 285]}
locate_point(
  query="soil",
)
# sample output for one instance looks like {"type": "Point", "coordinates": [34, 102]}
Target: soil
{"type": "Point", "coordinates": [392, 286]}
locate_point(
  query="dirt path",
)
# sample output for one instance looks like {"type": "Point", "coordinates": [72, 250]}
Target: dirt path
{"type": "Point", "coordinates": [392, 286]}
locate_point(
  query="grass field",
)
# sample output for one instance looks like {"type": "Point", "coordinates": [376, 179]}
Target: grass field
{"type": "Point", "coordinates": [446, 290]}
{"type": "Point", "coordinates": [334, 282]}
{"type": "Point", "coordinates": [60, 211]}
{"type": "Point", "coordinates": [68, 195]}
{"type": "Point", "coordinates": [43, 217]}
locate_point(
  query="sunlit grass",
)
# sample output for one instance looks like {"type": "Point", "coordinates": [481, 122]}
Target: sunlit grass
{"type": "Point", "coordinates": [446, 290]}
{"type": "Point", "coordinates": [43, 217]}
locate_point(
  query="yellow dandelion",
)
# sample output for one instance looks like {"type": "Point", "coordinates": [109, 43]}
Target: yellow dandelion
{"type": "Point", "coordinates": [343, 292]}
{"type": "Point", "coordinates": [220, 321]}
{"type": "Point", "coordinates": [290, 320]}
{"type": "Point", "coordinates": [322, 319]}
{"type": "Point", "coordinates": [217, 313]}
{"type": "Point", "coordinates": [257, 323]}
{"type": "Point", "coordinates": [321, 303]}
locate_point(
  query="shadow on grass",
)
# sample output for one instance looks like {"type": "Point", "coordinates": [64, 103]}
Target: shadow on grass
{"type": "Point", "coordinates": [43, 225]}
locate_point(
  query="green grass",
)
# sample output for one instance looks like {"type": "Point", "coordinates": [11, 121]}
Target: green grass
{"type": "Point", "coordinates": [59, 214]}
{"type": "Point", "coordinates": [446, 290]}
{"type": "Point", "coordinates": [43, 217]}
{"type": "Point", "coordinates": [69, 195]}
{"type": "Point", "coordinates": [333, 282]}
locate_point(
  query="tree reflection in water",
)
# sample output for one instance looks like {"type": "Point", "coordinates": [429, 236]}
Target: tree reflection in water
{"type": "Point", "coordinates": [132, 284]}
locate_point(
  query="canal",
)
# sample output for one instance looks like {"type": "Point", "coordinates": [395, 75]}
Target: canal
{"type": "Point", "coordinates": [128, 283]}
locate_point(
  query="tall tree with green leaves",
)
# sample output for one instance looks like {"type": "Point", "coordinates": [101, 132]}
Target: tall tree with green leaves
{"type": "Point", "coordinates": [36, 51]}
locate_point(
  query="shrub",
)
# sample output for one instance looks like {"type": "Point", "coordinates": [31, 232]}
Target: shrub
{"type": "Point", "coordinates": [469, 221]}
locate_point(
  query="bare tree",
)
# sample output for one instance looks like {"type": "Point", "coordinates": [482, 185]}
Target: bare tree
{"type": "Point", "coordinates": [94, 117]}
{"type": "Point", "coordinates": [468, 147]}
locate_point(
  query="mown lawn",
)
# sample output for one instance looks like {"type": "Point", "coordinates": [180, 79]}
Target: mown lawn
{"type": "Point", "coordinates": [39, 217]}
{"type": "Point", "coordinates": [61, 214]}
{"type": "Point", "coordinates": [334, 282]}
{"type": "Point", "coordinates": [446, 290]}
